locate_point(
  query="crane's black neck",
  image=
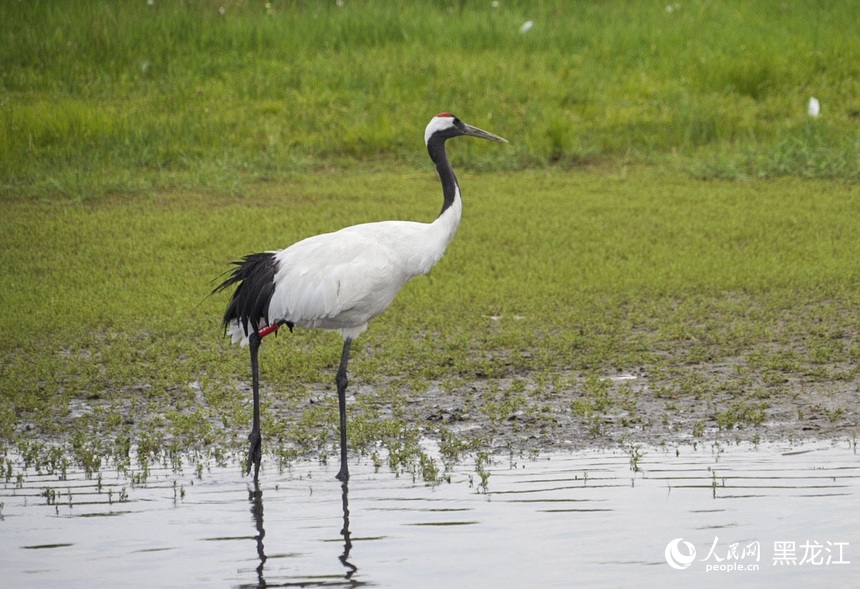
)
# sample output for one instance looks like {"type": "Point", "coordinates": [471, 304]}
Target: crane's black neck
{"type": "Point", "coordinates": [436, 148]}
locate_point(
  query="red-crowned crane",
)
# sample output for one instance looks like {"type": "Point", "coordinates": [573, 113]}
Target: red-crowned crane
{"type": "Point", "coordinates": [339, 281]}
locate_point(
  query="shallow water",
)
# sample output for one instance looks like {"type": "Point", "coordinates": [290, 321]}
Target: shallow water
{"type": "Point", "coordinates": [585, 518]}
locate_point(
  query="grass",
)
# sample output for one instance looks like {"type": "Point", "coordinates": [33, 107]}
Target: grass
{"type": "Point", "coordinates": [101, 98]}
{"type": "Point", "coordinates": [115, 349]}
{"type": "Point", "coordinates": [665, 206]}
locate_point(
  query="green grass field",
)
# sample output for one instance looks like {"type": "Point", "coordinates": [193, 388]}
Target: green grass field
{"type": "Point", "coordinates": [666, 206]}
{"type": "Point", "coordinates": [123, 97]}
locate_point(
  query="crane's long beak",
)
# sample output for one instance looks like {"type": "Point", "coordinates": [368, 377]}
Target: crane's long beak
{"type": "Point", "coordinates": [476, 132]}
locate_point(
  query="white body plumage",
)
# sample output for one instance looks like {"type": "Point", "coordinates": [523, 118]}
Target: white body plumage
{"type": "Point", "coordinates": [341, 280]}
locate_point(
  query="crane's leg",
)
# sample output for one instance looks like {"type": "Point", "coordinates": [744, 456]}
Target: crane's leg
{"type": "Point", "coordinates": [255, 437]}
{"type": "Point", "coordinates": [255, 452]}
{"type": "Point", "coordinates": [342, 382]}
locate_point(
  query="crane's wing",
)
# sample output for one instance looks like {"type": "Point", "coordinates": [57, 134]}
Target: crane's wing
{"type": "Point", "coordinates": [337, 280]}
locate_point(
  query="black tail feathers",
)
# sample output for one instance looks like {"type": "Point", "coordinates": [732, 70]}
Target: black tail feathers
{"type": "Point", "coordinates": [254, 276]}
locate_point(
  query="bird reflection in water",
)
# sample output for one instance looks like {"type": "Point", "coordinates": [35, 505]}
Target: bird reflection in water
{"type": "Point", "coordinates": [255, 497]}
{"type": "Point", "coordinates": [347, 543]}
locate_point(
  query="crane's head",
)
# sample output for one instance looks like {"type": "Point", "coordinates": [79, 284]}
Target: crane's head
{"type": "Point", "coordinates": [445, 125]}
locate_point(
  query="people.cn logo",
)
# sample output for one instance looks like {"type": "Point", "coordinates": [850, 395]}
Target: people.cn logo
{"type": "Point", "coordinates": [677, 558]}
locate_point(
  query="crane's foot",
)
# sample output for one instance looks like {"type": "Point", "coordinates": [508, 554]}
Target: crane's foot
{"type": "Point", "coordinates": [255, 453]}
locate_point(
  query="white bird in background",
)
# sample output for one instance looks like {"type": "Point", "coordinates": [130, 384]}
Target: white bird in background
{"type": "Point", "coordinates": [339, 281]}
{"type": "Point", "coordinates": [814, 108]}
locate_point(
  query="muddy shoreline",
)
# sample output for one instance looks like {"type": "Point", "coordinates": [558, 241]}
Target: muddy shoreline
{"type": "Point", "coordinates": [632, 414]}
{"type": "Point", "coordinates": [519, 414]}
